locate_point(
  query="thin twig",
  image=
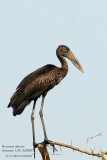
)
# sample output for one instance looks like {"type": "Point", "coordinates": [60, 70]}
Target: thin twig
{"type": "Point", "coordinates": [89, 138]}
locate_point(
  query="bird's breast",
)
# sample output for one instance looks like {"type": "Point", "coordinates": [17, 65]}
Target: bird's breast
{"type": "Point", "coordinates": [61, 74]}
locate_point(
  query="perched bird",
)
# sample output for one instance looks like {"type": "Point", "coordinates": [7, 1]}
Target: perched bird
{"type": "Point", "coordinates": [39, 83]}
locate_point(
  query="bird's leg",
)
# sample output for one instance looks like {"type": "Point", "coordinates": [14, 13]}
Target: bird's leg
{"type": "Point", "coordinates": [41, 116]}
{"type": "Point", "coordinates": [43, 125]}
{"type": "Point", "coordinates": [33, 128]}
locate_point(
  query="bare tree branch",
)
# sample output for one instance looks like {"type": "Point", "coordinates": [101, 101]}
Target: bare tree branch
{"type": "Point", "coordinates": [45, 155]}
{"type": "Point", "coordinates": [81, 150]}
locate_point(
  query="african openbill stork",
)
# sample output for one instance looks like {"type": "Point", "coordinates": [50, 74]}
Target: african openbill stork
{"type": "Point", "coordinates": [39, 83]}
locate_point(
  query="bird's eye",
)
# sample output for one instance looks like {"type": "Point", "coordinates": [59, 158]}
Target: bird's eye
{"type": "Point", "coordinates": [66, 49]}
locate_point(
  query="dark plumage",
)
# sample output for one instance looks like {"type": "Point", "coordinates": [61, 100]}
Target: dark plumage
{"type": "Point", "coordinates": [33, 86]}
{"type": "Point", "coordinates": [39, 83]}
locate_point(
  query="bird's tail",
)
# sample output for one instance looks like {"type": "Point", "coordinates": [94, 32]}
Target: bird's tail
{"type": "Point", "coordinates": [18, 102]}
{"type": "Point", "coordinates": [19, 109]}
{"type": "Point", "coordinates": [16, 99]}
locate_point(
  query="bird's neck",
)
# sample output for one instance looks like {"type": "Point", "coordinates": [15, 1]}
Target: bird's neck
{"type": "Point", "coordinates": [64, 64]}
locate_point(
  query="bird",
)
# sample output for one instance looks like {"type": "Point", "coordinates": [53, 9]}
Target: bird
{"type": "Point", "coordinates": [38, 83]}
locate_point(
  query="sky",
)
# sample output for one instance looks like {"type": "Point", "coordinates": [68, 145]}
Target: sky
{"type": "Point", "coordinates": [30, 32]}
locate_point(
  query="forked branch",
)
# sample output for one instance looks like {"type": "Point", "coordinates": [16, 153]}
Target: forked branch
{"type": "Point", "coordinates": [45, 155]}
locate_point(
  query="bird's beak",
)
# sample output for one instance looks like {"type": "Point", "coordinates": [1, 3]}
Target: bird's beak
{"type": "Point", "coordinates": [75, 61]}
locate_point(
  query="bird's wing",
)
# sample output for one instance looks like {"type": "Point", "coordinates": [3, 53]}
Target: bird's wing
{"type": "Point", "coordinates": [34, 85]}
{"type": "Point", "coordinates": [35, 75]}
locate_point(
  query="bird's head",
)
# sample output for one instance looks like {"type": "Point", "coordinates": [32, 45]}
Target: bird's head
{"type": "Point", "coordinates": [66, 52]}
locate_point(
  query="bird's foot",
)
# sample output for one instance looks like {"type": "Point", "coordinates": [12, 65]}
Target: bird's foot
{"type": "Point", "coordinates": [46, 141]}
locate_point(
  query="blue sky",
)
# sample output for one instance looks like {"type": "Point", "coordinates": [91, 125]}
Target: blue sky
{"type": "Point", "coordinates": [30, 32]}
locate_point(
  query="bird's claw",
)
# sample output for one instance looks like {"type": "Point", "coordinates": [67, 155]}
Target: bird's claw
{"type": "Point", "coordinates": [46, 141]}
